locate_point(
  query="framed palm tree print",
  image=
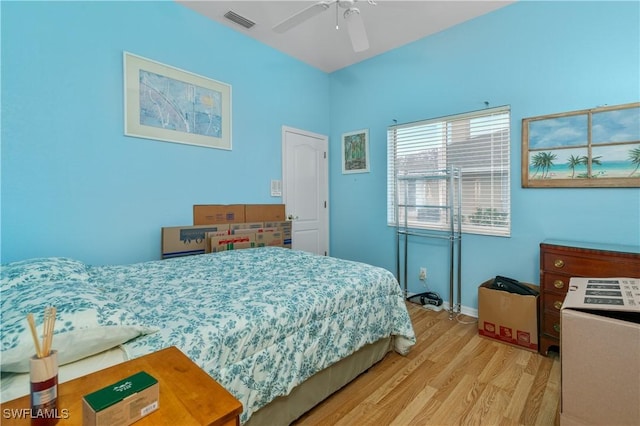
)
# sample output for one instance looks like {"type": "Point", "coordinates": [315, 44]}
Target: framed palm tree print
{"type": "Point", "coordinates": [355, 151]}
{"type": "Point", "coordinates": [598, 147]}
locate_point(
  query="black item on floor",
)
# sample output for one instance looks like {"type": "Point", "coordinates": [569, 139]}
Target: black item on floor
{"type": "Point", "coordinates": [428, 298]}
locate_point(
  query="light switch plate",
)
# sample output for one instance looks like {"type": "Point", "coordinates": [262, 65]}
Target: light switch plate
{"type": "Point", "coordinates": [276, 188]}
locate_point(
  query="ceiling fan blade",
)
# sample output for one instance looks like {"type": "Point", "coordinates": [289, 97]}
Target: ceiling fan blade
{"type": "Point", "coordinates": [356, 29]}
{"type": "Point", "coordinates": [301, 16]}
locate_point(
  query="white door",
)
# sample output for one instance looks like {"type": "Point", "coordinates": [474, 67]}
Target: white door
{"type": "Point", "coordinates": [305, 188]}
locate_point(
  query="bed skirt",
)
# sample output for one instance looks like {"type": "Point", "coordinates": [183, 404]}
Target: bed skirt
{"type": "Point", "coordinates": [285, 409]}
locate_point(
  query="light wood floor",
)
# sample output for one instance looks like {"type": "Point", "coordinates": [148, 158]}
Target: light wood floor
{"type": "Point", "coordinates": [452, 376]}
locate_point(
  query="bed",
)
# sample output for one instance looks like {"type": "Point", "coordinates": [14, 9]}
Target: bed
{"type": "Point", "coordinates": [280, 329]}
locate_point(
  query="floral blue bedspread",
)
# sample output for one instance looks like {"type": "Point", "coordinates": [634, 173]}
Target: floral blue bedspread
{"type": "Point", "coordinates": [260, 321]}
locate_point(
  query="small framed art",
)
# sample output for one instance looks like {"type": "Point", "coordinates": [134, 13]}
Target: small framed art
{"type": "Point", "coordinates": [355, 151]}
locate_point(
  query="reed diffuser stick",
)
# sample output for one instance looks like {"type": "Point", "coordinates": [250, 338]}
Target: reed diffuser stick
{"type": "Point", "coordinates": [49, 322]}
{"type": "Point", "coordinates": [48, 327]}
{"type": "Point", "coordinates": [34, 334]}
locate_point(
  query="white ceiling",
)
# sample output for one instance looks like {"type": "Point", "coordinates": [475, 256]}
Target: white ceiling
{"type": "Point", "coordinates": [317, 42]}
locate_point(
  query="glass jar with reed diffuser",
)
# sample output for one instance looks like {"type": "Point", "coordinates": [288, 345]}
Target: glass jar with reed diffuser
{"type": "Point", "coordinates": [43, 373]}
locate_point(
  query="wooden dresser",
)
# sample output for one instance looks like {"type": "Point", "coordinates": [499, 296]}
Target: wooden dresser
{"type": "Point", "coordinates": [561, 260]}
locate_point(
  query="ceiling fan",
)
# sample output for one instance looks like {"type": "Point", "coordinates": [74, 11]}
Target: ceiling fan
{"type": "Point", "coordinates": [355, 25]}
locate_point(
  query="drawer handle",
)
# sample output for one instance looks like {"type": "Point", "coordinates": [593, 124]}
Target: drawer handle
{"type": "Point", "coordinates": [558, 263]}
{"type": "Point", "coordinates": [558, 283]}
{"type": "Point", "coordinates": [556, 327]}
{"type": "Point", "coordinates": [557, 304]}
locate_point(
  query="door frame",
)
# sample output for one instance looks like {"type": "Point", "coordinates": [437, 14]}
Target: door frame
{"type": "Point", "coordinates": [325, 141]}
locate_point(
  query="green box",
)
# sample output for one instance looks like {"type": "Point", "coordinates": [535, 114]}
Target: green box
{"type": "Point", "coordinates": [123, 402]}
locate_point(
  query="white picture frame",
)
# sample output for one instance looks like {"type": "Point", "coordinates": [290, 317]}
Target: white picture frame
{"type": "Point", "coordinates": [355, 152]}
{"type": "Point", "coordinates": [172, 105]}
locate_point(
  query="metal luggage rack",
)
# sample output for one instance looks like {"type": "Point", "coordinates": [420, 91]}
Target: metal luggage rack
{"type": "Point", "coordinates": [452, 207]}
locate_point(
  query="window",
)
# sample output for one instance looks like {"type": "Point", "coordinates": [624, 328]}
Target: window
{"type": "Point", "coordinates": [478, 143]}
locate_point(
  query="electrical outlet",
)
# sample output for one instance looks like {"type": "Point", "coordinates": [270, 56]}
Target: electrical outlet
{"type": "Point", "coordinates": [423, 274]}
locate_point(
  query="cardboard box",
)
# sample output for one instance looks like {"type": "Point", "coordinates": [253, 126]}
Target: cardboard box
{"type": "Point", "coordinates": [210, 234]}
{"type": "Point", "coordinates": [285, 226]}
{"type": "Point", "coordinates": [122, 403]}
{"type": "Point", "coordinates": [238, 226]}
{"type": "Point", "coordinates": [233, 246]}
{"type": "Point", "coordinates": [187, 240]}
{"type": "Point", "coordinates": [254, 231]}
{"type": "Point", "coordinates": [264, 212]}
{"type": "Point", "coordinates": [232, 242]}
{"type": "Point", "coordinates": [600, 352]}
{"type": "Point", "coordinates": [210, 214]}
{"type": "Point", "coordinates": [508, 317]}
{"type": "Point", "coordinates": [269, 239]}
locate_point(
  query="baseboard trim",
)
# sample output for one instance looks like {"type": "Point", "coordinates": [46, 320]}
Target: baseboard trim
{"type": "Point", "coordinates": [464, 310]}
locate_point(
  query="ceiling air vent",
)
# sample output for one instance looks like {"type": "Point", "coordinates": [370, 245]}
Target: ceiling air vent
{"type": "Point", "coordinates": [240, 20]}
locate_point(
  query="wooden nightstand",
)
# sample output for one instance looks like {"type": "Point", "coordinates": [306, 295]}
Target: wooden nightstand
{"type": "Point", "coordinates": [188, 395]}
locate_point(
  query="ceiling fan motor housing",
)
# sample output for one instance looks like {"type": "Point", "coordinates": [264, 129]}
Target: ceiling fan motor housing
{"type": "Point", "coordinates": [351, 11]}
{"type": "Point", "coordinates": [346, 4]}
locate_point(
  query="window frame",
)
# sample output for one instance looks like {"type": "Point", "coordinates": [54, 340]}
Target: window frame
{"type": "Point", "coordinates": [495, 123]}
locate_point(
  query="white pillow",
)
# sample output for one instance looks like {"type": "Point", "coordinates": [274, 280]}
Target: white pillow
{"type": "Point", "coordinates": [87, 322]}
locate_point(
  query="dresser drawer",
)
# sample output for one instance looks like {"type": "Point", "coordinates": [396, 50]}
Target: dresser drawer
{"type": "Point", "coordinates": [590, 266]}
{"type": "Point", "coordinates": [551, 324]}
{"type": "Point", "coordinates": [552, 302]}
{"type": "Point", "coordinates": [555, 283]}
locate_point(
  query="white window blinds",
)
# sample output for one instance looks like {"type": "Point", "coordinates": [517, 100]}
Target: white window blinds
{"type": "Point", "coordinates": [478, 143]}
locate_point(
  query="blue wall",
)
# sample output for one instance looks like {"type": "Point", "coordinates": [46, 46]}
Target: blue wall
{"type": "Point", "coordinates": [73, 184]}
{"type": "Point", "coordinates": [539, 58]}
